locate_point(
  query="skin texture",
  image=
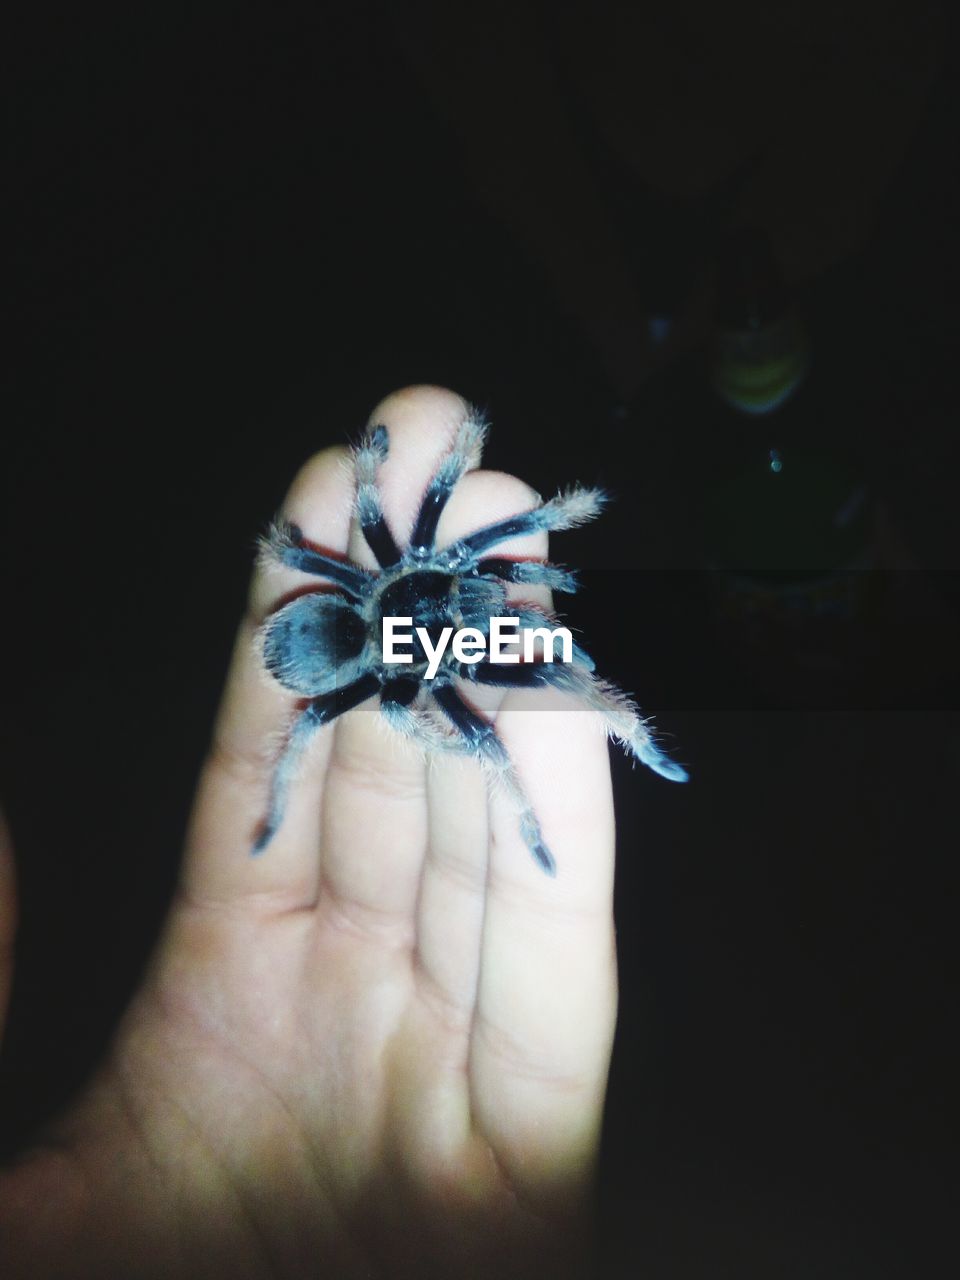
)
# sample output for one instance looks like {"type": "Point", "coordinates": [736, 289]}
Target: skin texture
{"type": "Point", "coordinates": [380, 1048]}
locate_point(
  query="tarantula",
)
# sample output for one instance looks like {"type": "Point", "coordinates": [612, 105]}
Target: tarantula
{"type": "Point", "coordinates": [328, 647]}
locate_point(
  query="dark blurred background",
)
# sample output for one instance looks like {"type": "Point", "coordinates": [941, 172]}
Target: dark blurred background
{"type": "Point", "coordinates": [233, 231]}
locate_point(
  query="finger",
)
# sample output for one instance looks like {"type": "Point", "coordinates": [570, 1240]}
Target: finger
{"type": "Point", "coordinates": [252, 725]}
{"type": "Point", "coordinates": [376, 815]}
{"type": "Point", "coordinates": [453, 888]}
{"type": "Point", "coordinates": [546, 1004]}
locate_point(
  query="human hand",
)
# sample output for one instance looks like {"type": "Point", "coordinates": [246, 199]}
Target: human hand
{"type": "Point", "coordinates": [380, 1047]}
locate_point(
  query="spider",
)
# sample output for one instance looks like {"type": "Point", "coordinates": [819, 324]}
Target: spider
{"type": "Point", "coordinates": [328, 647]}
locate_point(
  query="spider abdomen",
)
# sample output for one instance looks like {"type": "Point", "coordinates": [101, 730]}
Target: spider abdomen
{"type": "Point", "coordinates": [310, 643]}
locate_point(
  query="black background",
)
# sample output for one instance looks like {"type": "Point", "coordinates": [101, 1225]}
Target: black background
{"type": "Point", "coordinates": [232, 235]}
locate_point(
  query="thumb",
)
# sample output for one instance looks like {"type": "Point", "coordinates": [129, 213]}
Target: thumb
{"type": "Point", "coordinates": [8, 917]}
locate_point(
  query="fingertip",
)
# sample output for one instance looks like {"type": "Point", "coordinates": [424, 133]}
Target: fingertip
{"type": "Point", "coordinates": [318, 508]}
{"type": "Point", "coordinates": [422, 402]}
{"type": "Point", "coordinates": [482, 497]}
{"type": "Point", "coordinates": [319, 502]}
{"type": "Point", "coordinates": [418, 426]}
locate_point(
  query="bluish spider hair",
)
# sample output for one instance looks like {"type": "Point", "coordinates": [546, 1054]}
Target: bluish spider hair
{"type": "Point", "coordinates": [328, 647]}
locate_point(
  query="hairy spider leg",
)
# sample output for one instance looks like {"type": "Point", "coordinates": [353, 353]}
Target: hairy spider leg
{"type": "Point", "coordinates": [565, 511]}
{"type": "Point", "coordinates": [396, 704]}
{"type": "Point", "coordinates": [621, 717]}
{"type": "Point", "coordinates": [465, 453]}
{"type": "Point", "coordinates": [318, 713]}
{"type": "Point", "coordinates": [396, 695]}
{"type": "Point", "coordinates": [532, 573]}
{"type": "Point", "coordinates": [367, 457]}
{"type": "Point", "coordinates": [399, 691]}
{"type": "Point", "coordinates": [284, 545]}
{"type": "Point", "coordinates": [481, 738]}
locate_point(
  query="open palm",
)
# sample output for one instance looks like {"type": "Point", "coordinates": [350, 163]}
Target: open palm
{"type": "Point", "coordinates": [380, 1047]}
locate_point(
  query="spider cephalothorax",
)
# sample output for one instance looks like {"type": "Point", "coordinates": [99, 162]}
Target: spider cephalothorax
{"type": "Point", "coordinates": [329, 647]}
